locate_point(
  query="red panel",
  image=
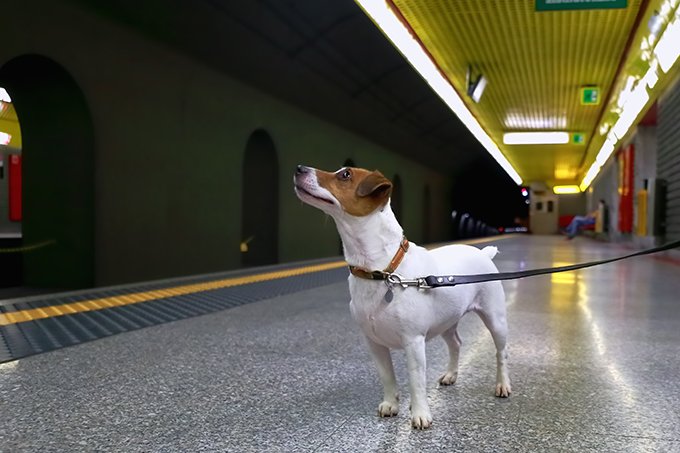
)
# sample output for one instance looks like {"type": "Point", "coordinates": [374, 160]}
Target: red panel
{"type": "Point", "coordinates": [626, 160]}
{"type": "Point", "coordinates": [15, 188]}
{"type": "Point", "coordinates": [650, 117]}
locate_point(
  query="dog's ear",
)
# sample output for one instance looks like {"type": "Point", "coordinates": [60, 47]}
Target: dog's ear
{"type": "Point", "coordinates": [374, 185]}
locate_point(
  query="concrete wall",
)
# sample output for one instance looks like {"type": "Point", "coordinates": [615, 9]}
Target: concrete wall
{"type": "Point", "coordinates": [645, 172]}
{"type": "Point", "coordinates": [572, 204]}
{"type": "Point", "coordinates": [605, 187]}
{"type": "Point", "coordinates": [170, 135]}
{"type": "Point", "coordinates": [544, 209]}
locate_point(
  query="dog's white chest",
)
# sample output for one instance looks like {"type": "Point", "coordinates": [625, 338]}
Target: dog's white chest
{"type": "Point", "coordinates": [377, 318]}
{"type": "Point", "coordinates": [378, 325]}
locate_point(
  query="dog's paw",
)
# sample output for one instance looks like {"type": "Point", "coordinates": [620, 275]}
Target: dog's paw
{"type": "Point", "coordinates": [503, 390]}
{"type": "Point", "coordinates": [448, 378]}
{"type": "Point", "coordinates": [421, 419]}
{"type": "Point", "coordinates": [388, 409]}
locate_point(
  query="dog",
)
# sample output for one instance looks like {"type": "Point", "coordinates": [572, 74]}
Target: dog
{"type": "Point", "coordinates": [394, 317]}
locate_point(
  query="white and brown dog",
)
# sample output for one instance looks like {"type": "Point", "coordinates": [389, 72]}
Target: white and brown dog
{"type": "Point", "coordinates": [374, 245]}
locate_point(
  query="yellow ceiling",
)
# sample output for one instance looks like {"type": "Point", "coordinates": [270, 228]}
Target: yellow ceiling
{"type": "Point", "coordinates": [9, 123]}
{"type": "Point", "coordinates": [535, 63]}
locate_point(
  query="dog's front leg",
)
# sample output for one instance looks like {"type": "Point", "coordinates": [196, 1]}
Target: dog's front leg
{"type": "Point", "coordinates": [417, 370]}
{"type": "Point", "coordinates": [383, 360]}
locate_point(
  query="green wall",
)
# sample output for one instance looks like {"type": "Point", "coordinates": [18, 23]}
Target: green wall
{"type": "Point", "coordinates": [170, 135]}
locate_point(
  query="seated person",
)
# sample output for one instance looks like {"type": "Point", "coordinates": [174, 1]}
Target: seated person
{"type": "Point", "coordinates": [583, 220]}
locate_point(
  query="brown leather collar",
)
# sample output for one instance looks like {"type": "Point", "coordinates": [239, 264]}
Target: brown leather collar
{"type": "Point", "coordinates": [382, 275]}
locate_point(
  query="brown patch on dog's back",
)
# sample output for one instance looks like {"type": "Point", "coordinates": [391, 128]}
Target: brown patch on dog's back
{"type": "Point", "coordinates": [361, 193]}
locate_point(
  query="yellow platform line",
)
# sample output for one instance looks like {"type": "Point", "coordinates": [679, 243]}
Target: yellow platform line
{"type": "Point", "coordinates": [32, 314]}
{"type": "Point", "coordinates": [103, 303]}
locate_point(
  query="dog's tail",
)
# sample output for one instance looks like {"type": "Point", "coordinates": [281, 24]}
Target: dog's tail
{"type": "Point", "coordinates": [490, 251]}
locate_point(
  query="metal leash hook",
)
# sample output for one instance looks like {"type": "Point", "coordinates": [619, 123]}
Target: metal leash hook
{"type": "Point", "coordinates": [396, 279]}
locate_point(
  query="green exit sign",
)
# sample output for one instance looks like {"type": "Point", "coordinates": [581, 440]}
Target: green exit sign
{"type": "Point", "coordinates": [590, 95]}
{"type": "Point", "coordinates": [578, 138]}
{"type": "Point", "coordinates": [559, 5]}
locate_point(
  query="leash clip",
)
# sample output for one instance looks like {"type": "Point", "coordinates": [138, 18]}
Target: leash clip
{"type": "Point", "coordinates": [396, 279]}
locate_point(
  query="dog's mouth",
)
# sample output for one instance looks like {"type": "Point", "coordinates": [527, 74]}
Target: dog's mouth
{"type": "Point", "coordinates": [311, 195]}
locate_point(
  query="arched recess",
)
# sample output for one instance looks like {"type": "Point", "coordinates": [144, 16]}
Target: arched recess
{"type": "Point", "coordinates": [58, 149]}
{"type": "Point", "coordinates": [427, 215]}
{"type": "Point", "coordinates": [397, 198]}
{"type": "Point", "coordinates": [260, 201]}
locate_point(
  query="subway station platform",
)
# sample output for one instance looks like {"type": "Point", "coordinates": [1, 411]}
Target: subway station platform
{"type": "Point", "coordinates": [593, 361]}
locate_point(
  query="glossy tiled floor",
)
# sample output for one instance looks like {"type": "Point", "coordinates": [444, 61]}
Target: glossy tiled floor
{"type": "Point", "coordinates": [595, 363]}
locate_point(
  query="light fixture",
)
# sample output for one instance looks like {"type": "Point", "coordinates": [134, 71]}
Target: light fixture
{"type": "Point", "coordinates": [606, 150]}
{"type": "Point", "coordinates": [562, 190]}
{"type": "Point", "coordinates": [4, 96]}
{"type": "Point", "coordinates": [590, 175]}
{"type": "Point", "coordinates": [654, 24]}
{"type": "Point", "coordinates": [652, 75]}
{"type": "Point", "coordinates": [475, 85]}
{"type": "Point", "coordinates": [667, 49]}
{"type": "Point", "coordinates": [5, 138]}
{"type": "Point", "coordinates": [536, 138]}
{"type": "Point", "coordinates": [636, 101]}
{"type": "Point", "coordinates": [519, 120]}
{"type": "Point", "coordinates": [393, 28]}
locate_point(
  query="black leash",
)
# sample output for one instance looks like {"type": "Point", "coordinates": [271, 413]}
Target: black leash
{"type": "Point", "coordinates": [437, 281]}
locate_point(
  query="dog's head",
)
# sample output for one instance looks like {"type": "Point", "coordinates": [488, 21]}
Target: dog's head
{"type": "Point", "coordinates": [350, 190]}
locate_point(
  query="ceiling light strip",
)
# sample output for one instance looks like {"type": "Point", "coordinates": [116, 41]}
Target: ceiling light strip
{"type": "Point", "coordinates": [609, 96]}
{"type": "Point", "coordinates": [384, 16]}
{"type": "Point", "coordinates": [633, 98]}
{"type": "Point", "coordinates": [536, 138]}
{"type": "Point", "coordinates": [4, 96]}
{"type": "Point", "coordinates": [5, 138]}
{"type": "Point", "coordinates": [563, 190]}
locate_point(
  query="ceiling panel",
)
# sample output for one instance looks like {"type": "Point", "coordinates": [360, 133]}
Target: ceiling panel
{"type": "Point", "coordinates": [535, 63]}
{"type": "Point", "coordinates": [9, 123]}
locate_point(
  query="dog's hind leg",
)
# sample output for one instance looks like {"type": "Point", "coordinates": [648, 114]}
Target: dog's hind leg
{"type": "Point", "coordinates": [383, 360]}
{"type": "Point", "coordinates": [453, 342]}
{"type": "Point", "coordinates": [495, 321]}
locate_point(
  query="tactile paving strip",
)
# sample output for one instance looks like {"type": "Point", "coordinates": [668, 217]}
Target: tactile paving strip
{"type": "Point", "coordinates": [22, 339]}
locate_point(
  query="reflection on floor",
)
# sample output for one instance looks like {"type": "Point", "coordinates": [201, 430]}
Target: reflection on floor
{"type": "Point", "coordinates": [593, 354]}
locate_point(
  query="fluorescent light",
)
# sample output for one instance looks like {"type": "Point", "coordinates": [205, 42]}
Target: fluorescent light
{"type": "Point", "coordinates": [5, 138]}
{"type": "Point", "coordinates": [590, 175]}
{"type": "Point", "coordinates": [606, 150]}
{"type": "Point", "coordinates": [516, 120]}
{"type": "Point", "coordinates": [561, 190]}
{"type": "Point", "coordinates": [478, 89]}
{"type": "Point", "coordinates": [667, 49]}
{"type": "Point", "coordinates": [651, 77]}
{"type": "Point", "coordinates": [395, 31]}
{"type": "Point", "coordinates": [636, 101]}
{"type": "Point", "coordinates": [536, 138]}
{"type": "Point", "coordinates": [4, 96]}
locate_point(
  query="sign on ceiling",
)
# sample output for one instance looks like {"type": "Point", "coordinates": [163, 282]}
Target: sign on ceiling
{"type": "Point", "coordinates": [558, 5]}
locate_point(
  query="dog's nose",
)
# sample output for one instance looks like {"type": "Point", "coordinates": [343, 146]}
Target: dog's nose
{"type": "Point", "coordinates": [301, 169]}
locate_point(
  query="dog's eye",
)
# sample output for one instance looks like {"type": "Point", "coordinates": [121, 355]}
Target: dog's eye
{"type": "Point", "coordinates": [345, 175]}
